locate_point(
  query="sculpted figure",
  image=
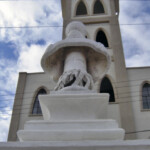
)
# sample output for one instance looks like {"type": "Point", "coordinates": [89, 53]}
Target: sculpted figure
{"type": "Point", "coordinates": [75, 71]}
{"type": "Point", "coordinates": [76, 62]}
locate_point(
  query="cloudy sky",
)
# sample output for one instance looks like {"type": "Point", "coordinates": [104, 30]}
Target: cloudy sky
{"type": "Point", "coordinates": [21, 48]}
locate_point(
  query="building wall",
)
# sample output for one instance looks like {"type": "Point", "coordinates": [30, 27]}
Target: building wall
{"type": "Point", "coordinates": [89, 5]}
{"type": "Point", "coordinates": [137, 77]}
{"type": "Point", "coordinates": [108, 22]}
{"type": "Point", "coordinates": [15, 118]}
{"type": "Point", "coordinates": [33, 82]}
{"type": "Point", "coordinates": [22, 110]}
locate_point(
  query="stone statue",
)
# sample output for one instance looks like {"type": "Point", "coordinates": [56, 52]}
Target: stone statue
{"type": "Point", "coordinates": [76, 63]}
{"type": "Point", "coordinates": [74, 111]}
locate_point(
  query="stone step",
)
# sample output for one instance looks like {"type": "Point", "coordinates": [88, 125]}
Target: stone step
{"type": "Point", "coordinates": [71, 135]}
{"type": "Point", "coordinates": [71, 125]}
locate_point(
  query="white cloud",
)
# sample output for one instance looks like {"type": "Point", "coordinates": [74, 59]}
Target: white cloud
{"type": "Point", "coordinates": [27, 13]}
{"type": "Point", "coordinates": [5, 117]}
{"type": "Point", "coordinates": [135, 37]}
{"type": "Point", "coordinates": [4, 129]}
{"type": "Point", "coordinates": [30, 57]}
{"type": "Point", "coordinates": [27, 48]}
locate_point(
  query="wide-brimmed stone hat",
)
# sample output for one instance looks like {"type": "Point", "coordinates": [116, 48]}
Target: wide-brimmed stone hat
{"type": "Point", "coordinates": [97, 57]}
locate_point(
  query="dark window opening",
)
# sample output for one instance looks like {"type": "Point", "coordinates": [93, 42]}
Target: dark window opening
{"type": "Point", "coordinates": [81, 9]}
{"type": "Point", "coordinates": [101, 37]}
{"type": "Point", "coordinates": [146, 96]}
{"type": "Point", "coordinates": [98, 7]}
{"type": "Point", "coordinates": [36, 107]}
{"type": "Point", "coordinates": [106, 87]}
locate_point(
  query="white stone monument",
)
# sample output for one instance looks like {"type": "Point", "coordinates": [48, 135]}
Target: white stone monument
{"type": "Point", "coordinates": [74, 111]}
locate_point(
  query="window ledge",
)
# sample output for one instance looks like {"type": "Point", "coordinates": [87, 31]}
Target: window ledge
{"type": "Point", "coordinates": [144, 110]}
{"type": "Point", "coordinates": [35, 115]}
{"type": "Point", "coordinates": [98, 14]}
{"type": "Point", "coordinates": [86, 15]}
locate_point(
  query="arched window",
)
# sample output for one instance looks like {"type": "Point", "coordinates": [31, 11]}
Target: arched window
{"type": "Point", "coordinates": [101, 37]}
{"type": "Point", "coordinates": [81, 9]}
{"type": "Point", "coordinates": [98, 7]}
{"type": "Point", "coordinates": [106, 87]}
{"type": "Point", "coordinates": [36, 107]}
{"type": "Point", "coordinates": [146, 96]}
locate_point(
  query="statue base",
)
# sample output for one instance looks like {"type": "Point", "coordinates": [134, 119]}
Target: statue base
{"type": "Point", "coordinates": [60, 107]}
{"type": "Point", "coordinates": [71, 131]}
{"type": "Point", "coordinates": [77, 117]}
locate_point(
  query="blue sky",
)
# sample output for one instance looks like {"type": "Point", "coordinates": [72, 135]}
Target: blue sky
{"type": "Point", "coordinates": [20, 46]}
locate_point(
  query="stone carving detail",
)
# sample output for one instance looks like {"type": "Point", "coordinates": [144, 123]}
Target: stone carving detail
{"type": "Point", "coordinates": [76, 63]}
{"type": "Point", "coordinates": [75, 78]}
{"type": "Point", "coordinates": [75, 71]}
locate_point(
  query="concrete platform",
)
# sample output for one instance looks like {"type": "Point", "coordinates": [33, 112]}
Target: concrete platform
{"type": "Point", "coordinates": [71, 131]}
{"type": "Point", "coordinates": [82, 145]}
{"type": "Point", "coordinates": [72, 117]}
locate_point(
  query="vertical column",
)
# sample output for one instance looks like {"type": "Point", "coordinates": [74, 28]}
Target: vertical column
{"type": "Point", "coordinates": [14, 125]}
{"type": "Point", "coordinates": [122, 82]}
{"type": "Point", "coordinates": [66, 12]}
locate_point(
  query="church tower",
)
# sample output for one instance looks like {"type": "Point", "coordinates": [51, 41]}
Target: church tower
{"type": "Point", "coordinates": [101, 20]}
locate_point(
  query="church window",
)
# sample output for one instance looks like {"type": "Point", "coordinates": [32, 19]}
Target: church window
{"type": "Point", "coordinates": [101, 37]}
{"type": "Point", "coordinates": [81, 9]}
{"type": "Point", "coordinates": [36, 107]}
{"type": "Point", "coordinates": [106, 87]}
{"type": "Point", "coordinates": [98, 7]}
{"type": "Point", "coordinates": [146, 96]}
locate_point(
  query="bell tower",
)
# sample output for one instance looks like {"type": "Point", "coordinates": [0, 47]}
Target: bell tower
{"type": "Point", "coordinates": [101, 20]}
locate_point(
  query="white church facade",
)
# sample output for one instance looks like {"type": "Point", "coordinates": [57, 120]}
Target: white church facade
{"type": "Point", "coordinates": [129, 88]}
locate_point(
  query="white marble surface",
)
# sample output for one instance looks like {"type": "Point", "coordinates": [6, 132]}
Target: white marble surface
{"type": "Point", "coordinates": [75, 59]}
{"type": "Point", "coordinates": [96, 54]}
{"type": "Point", "coordinates": [71, 131]}
{"type": "Point", "coordinates": [71, 125]}
{"type": "Point", "coordinates": [74, 106]}
{"type": "Point", "coordinates": [77, 117]}
{"type": "Point", "coordinates": [71, 135]}
{"type": "Point", "coordinates": [76, 29]}
{"type": "Point", "coordinates": [78, 145]}
{"type": "Point", "coordinates": [82, 114]}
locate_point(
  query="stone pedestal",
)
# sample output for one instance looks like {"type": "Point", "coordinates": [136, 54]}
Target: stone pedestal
{"type": "Point", "coordinates": [73, 111]}
{"type": "Point", "coordinates": [79, 117]}
{"type": "Point", "coordinates": [71, 131]}
{"type": "Point", "coordinates": [66, 107]}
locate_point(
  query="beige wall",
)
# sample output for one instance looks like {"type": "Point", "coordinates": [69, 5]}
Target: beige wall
{"type": "Point", "coordinates": [33, 83]}
{"type": "Point", "coordinates": [117, 73]}
{"type": "Point", "coordinates": [30, 83]}
{"type": "Point", "coordinates": [28, 86]}
{"type": "Point", "coordinates": [15, 118]}
{"type": "Point", "coordinates": [138, 76]}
